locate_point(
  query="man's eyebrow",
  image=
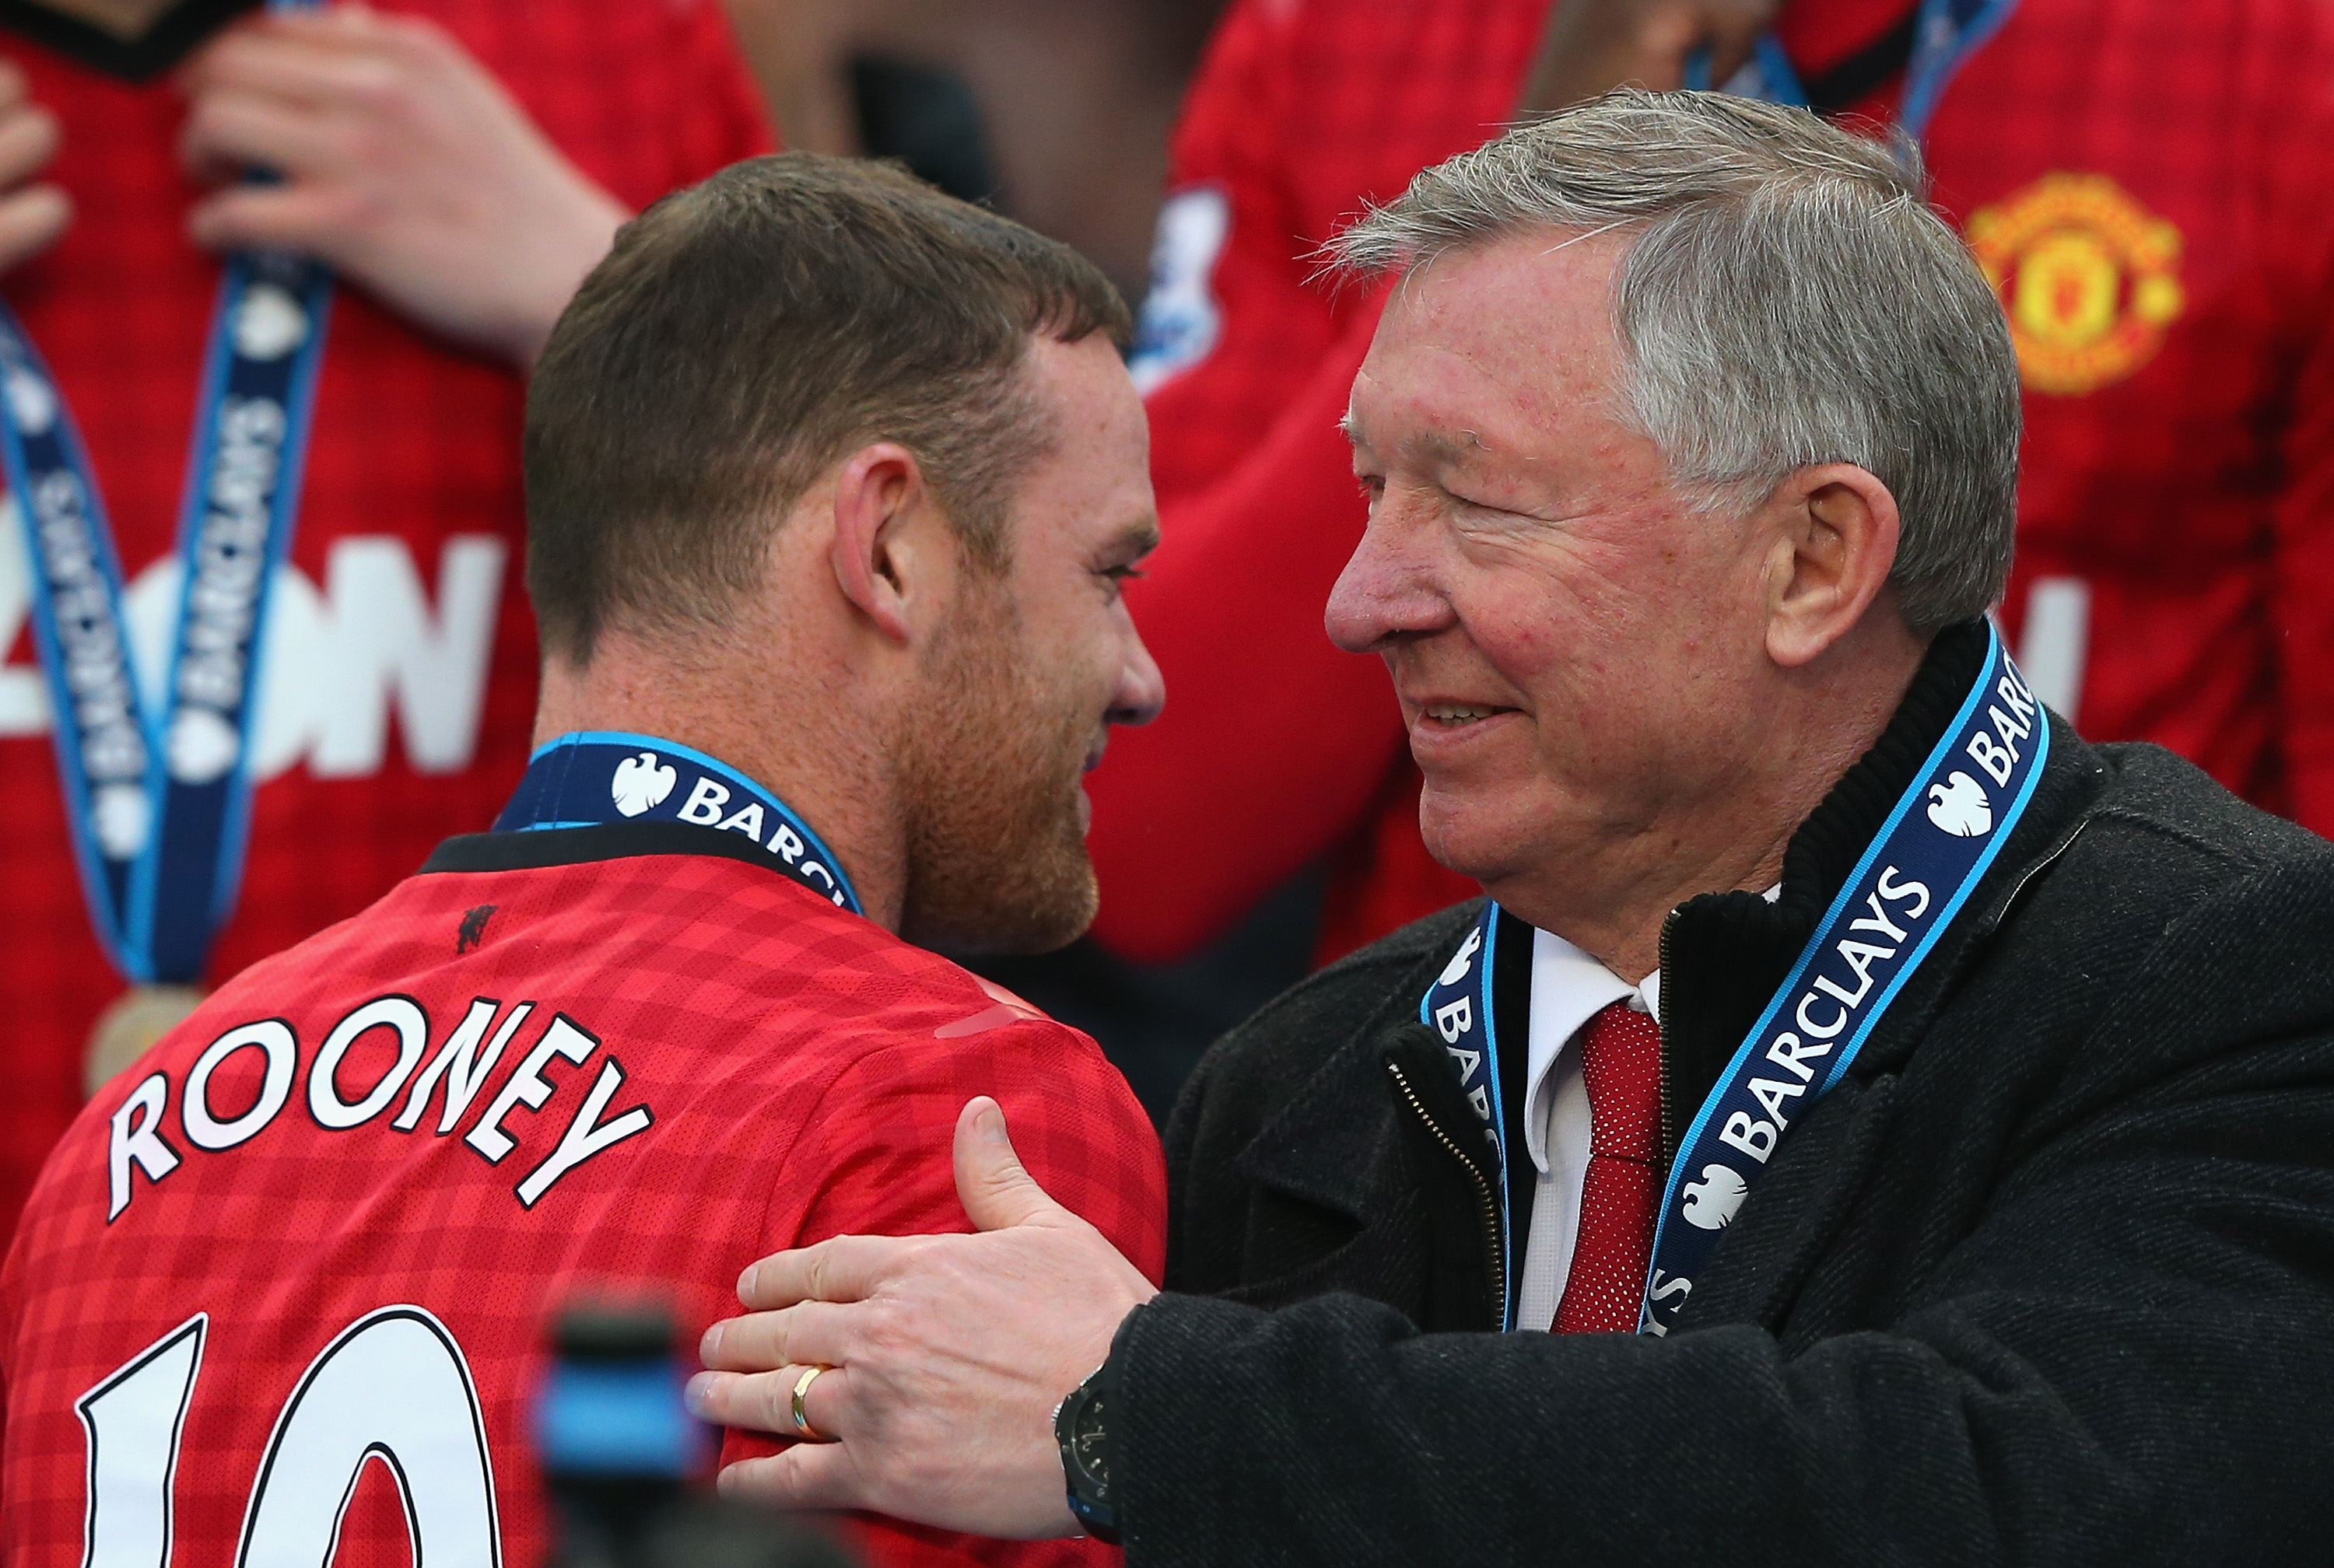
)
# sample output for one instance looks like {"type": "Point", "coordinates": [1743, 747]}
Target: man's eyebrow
{"type": "Point", "coordinates": [1437, 447]}
{"type": "Point", "coordinates": [1461, 447]}
{"type": "Point", "coordinates": [1137, 539]}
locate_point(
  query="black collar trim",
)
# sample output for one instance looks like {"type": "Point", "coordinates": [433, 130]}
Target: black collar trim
{"type": "Point", "coordinates": [538, 848]}
{"type": "Point", "coordinates": [174, 35]}
{"type": "Point", "coordinates": [1724, 953]}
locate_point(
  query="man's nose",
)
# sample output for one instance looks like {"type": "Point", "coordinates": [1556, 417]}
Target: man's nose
{"type": "Point", "coordinates": [1142, 691]}
{"type": "Point", "coordinates": [1388, 587]}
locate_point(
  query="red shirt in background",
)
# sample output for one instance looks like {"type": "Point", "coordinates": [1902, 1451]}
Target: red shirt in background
{"type": "Point", "coordinates": [703, 1062]}
{"type": "Point", "coordinates": [400, 679]}
{"type": "Point", "coordinates": [2146, 181]}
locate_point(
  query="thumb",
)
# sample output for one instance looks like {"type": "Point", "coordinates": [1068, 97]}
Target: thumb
{"type": "Point", "coordinates": [997, 1192]}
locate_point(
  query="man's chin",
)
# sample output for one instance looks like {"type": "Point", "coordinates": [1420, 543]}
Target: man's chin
{"type": "Point", "coordinates": [1470, 840]}
{"type": "Point", "coordinates": [1031, 908]}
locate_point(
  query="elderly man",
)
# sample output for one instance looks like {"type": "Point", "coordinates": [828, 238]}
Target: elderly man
{"type": "Point", "coordinates": [1973, 1199]}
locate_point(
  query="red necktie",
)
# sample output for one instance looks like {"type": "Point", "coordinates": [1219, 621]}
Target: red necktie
{"type": "Point", "coordinates": [1621, 1058]}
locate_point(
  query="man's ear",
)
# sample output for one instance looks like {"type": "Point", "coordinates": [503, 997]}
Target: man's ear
{"type": "Point", "coordinates": [884, 552]}
{"type": "Point", "coordinates": [1835, 544]}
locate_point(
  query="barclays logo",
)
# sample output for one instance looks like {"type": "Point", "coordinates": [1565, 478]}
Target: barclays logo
{"type": "Point", "coordinates": [642, 783]}
{"type": "Point", "coordinates": [1710, 1203]}
{"type": "Point", "coordinates": [1959, 806]}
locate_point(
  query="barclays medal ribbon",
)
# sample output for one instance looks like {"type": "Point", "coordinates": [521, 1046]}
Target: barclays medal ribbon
{"type": "Point", "coordinates": [593, 777]}
{"type": "Point", "coordinates": [1459, 1008]}
{"type": "Point", "coordinates": [1946, 34]}
{"type": "Point", "coordinates": [158, 793]}
{"type": "Point", "coordinates": [1935, 848]}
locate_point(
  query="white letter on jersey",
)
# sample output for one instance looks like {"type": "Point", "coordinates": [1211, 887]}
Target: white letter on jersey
{"type": "Point", "coordinates": [206, 1130]}
{"type": "Point", "coordinates": [393, 1385]}
{"type": "Point", "coordinates": [561, 1039]}
{"type": "Point", "coordinates": [453, 1062]}
{"type": "Point", "coordinates": [133, 1421]}
{"type": "Point", "coordinates": [401, 1014]}
{"type": "Point", "coordinates": [583, 1139]}
{"type": "Point", "coordinates": [384, 639]}
{"type": "Point", "coordinates": [141, 1143]}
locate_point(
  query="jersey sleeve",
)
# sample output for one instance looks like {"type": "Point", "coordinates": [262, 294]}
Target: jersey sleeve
{"type": "Point", "coordinates": [1229, 328]}
{"type": "Point", "coordinates": [1273, 742]}
{"type": "Point", "coordinates": [877, 1158]}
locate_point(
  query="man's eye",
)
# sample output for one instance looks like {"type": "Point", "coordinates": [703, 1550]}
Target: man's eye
{"type": "Point", "coordinates": [1122, 574]}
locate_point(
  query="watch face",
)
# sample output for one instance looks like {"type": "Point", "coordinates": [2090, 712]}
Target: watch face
{"type": "Point", "coordinates": [1086, 1444]}
{"type": "Point", "coordinates": [134, 39]}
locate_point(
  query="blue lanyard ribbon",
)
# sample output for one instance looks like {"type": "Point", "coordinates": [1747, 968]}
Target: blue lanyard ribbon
{"type": "Point", "coordinates": [1920, 868]}
{"type": "Point", "coordinates": [593, 777]}
{"type": "Point", "coordinates": [1947, 34]}
{"type": "Point", "coordinates": [1460, 1008]}
{"type": "Point", "coordinates": [158, 802]}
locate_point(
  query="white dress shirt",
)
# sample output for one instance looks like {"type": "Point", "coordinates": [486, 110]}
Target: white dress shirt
{"type": "Point", "coordinates": [1568, 988]}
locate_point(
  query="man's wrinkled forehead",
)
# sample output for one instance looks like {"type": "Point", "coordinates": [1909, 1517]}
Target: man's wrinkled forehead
{"type": "Point", "coordinates": [1482, 348]}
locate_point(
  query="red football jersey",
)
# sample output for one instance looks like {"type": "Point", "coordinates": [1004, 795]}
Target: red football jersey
{"type": "Point", "coordinates": [399, 652]}
{"type": "Point", "coordinates": [556, 1066]}
{"type": "Point", "coordinates": [2145, 182]}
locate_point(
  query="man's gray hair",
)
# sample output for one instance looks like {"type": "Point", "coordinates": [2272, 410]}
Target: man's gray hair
{"type": "Point", "coordinates": [1788, 299]}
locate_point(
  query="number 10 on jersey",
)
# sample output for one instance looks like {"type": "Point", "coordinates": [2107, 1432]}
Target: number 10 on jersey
{"type": "Point", "coordinates": [393, 1384]}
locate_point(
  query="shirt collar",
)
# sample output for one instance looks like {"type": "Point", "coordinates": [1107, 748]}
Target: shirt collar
{"type": "Point", "coordinates": [1568, 988]}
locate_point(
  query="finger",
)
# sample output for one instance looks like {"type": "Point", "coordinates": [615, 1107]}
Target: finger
{"type": "Point", "coordinates": [765, 1401]}
{"type": "Point", "coordinates": [297, 69]}
{"type": "Point", "coordinates": [240, 130]}
{"type": "Point", "coordinates": [301, 217]}
{"type": "Point", "coordinates": [30, 222]}
{"type": "Point", "coordinates": [814, 1333]}
{"type": "Point", "coordinates": [29, 137]}
{"type": "Point", "coordinates": [806, 1476]}
{"type": "Point", "coordinates": [991, 1182]}
{"type": "Point", "coordinates": [841, 1268]}
{"type": "Point", "coordinates": [16, 87]}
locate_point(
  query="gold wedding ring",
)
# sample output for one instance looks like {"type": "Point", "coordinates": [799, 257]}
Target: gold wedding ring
{"type": "Point", "coordinates": [808, 1433]}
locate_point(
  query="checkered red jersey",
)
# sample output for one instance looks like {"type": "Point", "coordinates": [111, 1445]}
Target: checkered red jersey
{"type": "Point", "coordinates": [2145, 181]}
{"type": "Point", "coordinates": [555, 1066]}
{"type": "Point", "coordinates": [400, 668]}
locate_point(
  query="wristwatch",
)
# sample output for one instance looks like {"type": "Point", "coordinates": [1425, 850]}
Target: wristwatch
{"type": "Point", "coordinates": [1080, 1425]}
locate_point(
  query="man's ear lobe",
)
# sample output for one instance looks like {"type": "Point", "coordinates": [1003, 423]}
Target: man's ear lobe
{"type": "Point", "coordinates": [1837, 547]}
{"type": "Point", "coordinates": [876, 491]}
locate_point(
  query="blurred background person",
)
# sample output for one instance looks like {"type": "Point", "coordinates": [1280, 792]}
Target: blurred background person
{"type": "Point", "coordinates": [459, 167]}
{"type": "Point", "coordinates": [1055, 112]}
{"type": "Point", "coordinates": [2144, 181]}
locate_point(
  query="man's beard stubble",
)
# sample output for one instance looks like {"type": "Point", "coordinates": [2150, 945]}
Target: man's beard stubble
{"type": "Point", "coordinates": [988, 773]}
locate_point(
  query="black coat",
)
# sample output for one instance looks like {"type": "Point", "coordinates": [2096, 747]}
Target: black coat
{"type": "Point", "coordinates": [2048, 1279]}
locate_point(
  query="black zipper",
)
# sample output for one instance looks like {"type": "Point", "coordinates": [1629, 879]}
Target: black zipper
{"type": "Point", "coordinates": [1495, 1246]}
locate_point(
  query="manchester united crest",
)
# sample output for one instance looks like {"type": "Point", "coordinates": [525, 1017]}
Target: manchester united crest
{"type": "Point", "coordinates": [2090, 279]}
